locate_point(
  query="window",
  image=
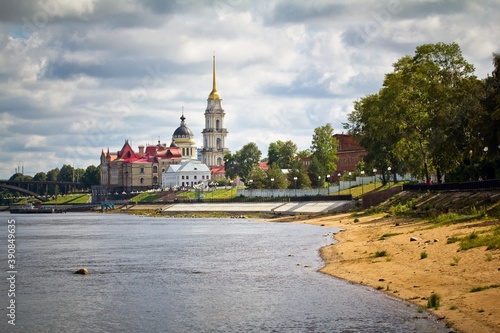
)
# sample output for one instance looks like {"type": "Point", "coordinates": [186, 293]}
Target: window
{"type": "Point", "coordinates": [141, 180]}
{"type": "Point", "coordinates": [155, 180]}
{"type": "Point", "coordinates": [155, 169]}
{"type": "Point", "coordinates": [142, 170]}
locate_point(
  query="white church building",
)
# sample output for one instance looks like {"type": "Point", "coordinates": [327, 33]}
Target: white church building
{"type": "Point", "coordinates": [190, 173]}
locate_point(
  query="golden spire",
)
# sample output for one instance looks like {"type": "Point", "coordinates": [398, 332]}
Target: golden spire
{"type": "Point", "coordinates": [214, 94]}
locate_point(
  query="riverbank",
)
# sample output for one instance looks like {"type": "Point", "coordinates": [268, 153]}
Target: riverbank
{"type": "Point", "coordinates": [377, 252]}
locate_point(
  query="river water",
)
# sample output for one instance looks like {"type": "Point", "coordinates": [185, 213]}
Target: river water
{"type": "Point", "coordinates": [185, 275]}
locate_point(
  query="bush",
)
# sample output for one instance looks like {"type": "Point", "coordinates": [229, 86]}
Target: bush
{"type": "Point", "coordinates": [423, 255]}
{"type": "Point", "coordinates": [434, 301]}
{"type": "Point", "coordinates": [379, 254]}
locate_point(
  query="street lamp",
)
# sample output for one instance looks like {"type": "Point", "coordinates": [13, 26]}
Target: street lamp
{"type": "Point", "coordinates": [362, 182]}
{"type": "Point", "coordinates": [327, 181]}
{"type": "Point", "coordinates": [339, 174]}
{"type": "Point", "coordinates": [250, 182]}
{"type": "Point", "coordinates": [295, 181]}
{"type": "Point", "coordinates": [272, 187]}
{"type": "Point", "coordinates": [389, 176]}
{"type": "Point", "coordinates": [349, 182]}
{"type": "Point", "coordinates": [375, 177]}
{"type": "Point", "coordinates": [319, 182]}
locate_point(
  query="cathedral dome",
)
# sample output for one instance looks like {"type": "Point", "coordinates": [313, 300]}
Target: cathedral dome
{"type": "Point", "coordinates": [183, 132]}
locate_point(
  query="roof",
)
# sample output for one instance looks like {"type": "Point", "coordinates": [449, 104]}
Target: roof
{"type": "Point", "coordinates": [188, 166]}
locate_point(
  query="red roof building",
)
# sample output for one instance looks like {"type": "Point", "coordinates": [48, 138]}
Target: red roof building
{"type": "Point", "coordinates": [127, 170]}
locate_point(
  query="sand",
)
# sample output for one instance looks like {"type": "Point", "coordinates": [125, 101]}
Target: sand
{"type": "Point", "coordinates": [402, 273]}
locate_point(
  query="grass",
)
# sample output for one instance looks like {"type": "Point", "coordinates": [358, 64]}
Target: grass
{"type": "Point", "coordinates": [453, 218]}
{"type": "Point", "coordinates": [69, 199]}
{"type": "Point", "coordinates": [476, 289]}
{"type": "Point", "coordinates": [490, 239]}
{"type": "Point", "coordinates": [455, 261]}
{"type": "Point", "coordinates": [423, 255]}
{"type": "Point", "coordinates": [146, 197]}
{"type": "Point", "coordinates": [384, 236]}
{"type": "Point", "coordinates": [434, 301]}
{"type": "Point", "coordinates": [379, 254]}
{"type": "Point", "coordinates": [222, 193]}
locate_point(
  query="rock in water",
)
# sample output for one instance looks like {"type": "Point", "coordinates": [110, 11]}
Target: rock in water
{"type": "Point", "coordinates": [82, 271]}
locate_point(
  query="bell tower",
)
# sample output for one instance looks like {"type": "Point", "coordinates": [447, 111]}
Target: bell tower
{"type": "Point", "coordinates": [214, 133]}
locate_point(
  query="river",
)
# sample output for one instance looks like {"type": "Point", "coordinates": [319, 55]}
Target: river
{"type": "Point", "coordinates": [185, 275]}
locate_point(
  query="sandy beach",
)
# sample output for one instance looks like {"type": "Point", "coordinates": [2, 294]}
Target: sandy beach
{"type": "Point", "coordinates": [404, 274]}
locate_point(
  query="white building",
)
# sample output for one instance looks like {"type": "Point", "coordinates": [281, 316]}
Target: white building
{"type": "Point", "coordinates": [191, 173]}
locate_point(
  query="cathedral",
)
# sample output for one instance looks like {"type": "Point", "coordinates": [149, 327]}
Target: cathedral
{"type": "Point", "coordinates": [127, 170]}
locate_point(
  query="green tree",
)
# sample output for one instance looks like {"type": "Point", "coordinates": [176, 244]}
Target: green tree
{"type": "Point", "coordinates": [257, 178]}
{"type": "Point", "coordinates": [91, 176]}
{"type": "Point", "coordinates": [67, 174]}
{"type": "Point", "coordinates": [275, 177]}
{"type": "Point", "coordinates": [282, 153]}
{"type": "Point", "coordinates": [242, 162]}
{"type": "Point", "coordinates": [52, 175]}
{"type": "Point", "coordinates": [20, 176]}
{"type": "Point", "coordinates": [420, 119]}
{"type": "Point", "coordinates": [317, 172]}
{"type": "Point", "coordinates": [40, 177]}
{"type": "Point", "coordinates": [298, 171]}
{"type": "Point", "coordinates": [324, 148]}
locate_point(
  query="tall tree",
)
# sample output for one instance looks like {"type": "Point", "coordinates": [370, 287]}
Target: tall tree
{"type": "Point", "coordinates": [276, 178]}
{"type": "Point", "coordinates": [242, 162]}
{"type": "Point", "coordinates": [324, 148]}
{"type": "Point", "coordinates": [91, 176]}
{"type": "Point", "coordinates": [282, 153]}
{"type": "Point", "coordinates": [67, 173]}
{"type": "Point", "coordinates": [297, 176]}
{"type": "Point", "coordinates": [40, 176]}
{"type": "Point", "coordinates": [52, 175]}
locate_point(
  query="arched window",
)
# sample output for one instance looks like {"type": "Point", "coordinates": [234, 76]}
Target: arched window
{"type": "Point", "coordinates": [155, 169]}
{"type": "Point", "coordinates": [217, 124]}
{"type": "Point", "coordinates": [155, 180]}
{"type": "Point", "coordinates": [141, 180]}
{"type": "Point", "coordinates": [142, 170]}
{"type": "Point", "coordinates": [218, 143]}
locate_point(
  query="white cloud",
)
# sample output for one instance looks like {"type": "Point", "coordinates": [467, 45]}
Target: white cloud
{"type": "Point", "coordinates": [78, 77]}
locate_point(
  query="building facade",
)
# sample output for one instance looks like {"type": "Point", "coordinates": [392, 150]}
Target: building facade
{"type": "Point", "coordinates": [190, 173]}
{"type": "Point", "coordinates": [214, 133]}
{"type": "Point", "coordinates": [349, 153]}
{"type": "Point", "coordinates": [127, 170]}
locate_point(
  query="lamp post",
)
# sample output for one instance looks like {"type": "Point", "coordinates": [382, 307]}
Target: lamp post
{"type": "Point", "coordinates": [349, 182]}
{"type": "Point", "coordinates": [319, 182]}
{"type": "Point", "coordinates": [295, 181]}
{"type": "Point", "coordinates": [327, 181]}
{"type": "Point", "coordinates": [389, 176]}
{"type": "Point", "coordinates": [339, 174]}
{"type": "Point", "coordinates": [250, 185]}
{"type": "Point", "coordinates": [362, 182]}
{"type": "Point", "coordinates": [375, 177]}
{"type": "Point", "coordinates": [272, 187]}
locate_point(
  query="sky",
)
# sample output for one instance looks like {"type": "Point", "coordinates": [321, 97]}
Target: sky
{"type": "Point", "coordinates": [77, 77]}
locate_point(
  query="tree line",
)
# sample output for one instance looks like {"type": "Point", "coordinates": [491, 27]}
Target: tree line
{"type": "Point", "coordinates": [86, 177]}
{"type": "Point", "coordinates": [244, 163]}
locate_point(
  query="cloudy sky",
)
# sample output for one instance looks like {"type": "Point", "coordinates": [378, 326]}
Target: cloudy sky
{"type": "Point", "coordinates": [80, 76]}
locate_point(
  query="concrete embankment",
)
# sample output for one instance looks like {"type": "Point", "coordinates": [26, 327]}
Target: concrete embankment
{"type": "Point", "coordinates": [284, 208]}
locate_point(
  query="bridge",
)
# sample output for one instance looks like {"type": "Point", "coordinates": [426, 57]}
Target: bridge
{"type": "Point", "coordinates": [34, 188]}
